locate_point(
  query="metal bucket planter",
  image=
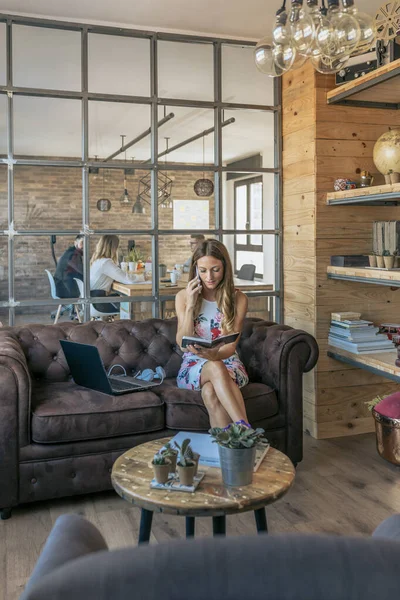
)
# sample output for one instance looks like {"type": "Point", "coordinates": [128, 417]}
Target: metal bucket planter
{"type": "Point", "coordinates": [387, 437]}
{"type": "Point", "coordinates": [237, 465]}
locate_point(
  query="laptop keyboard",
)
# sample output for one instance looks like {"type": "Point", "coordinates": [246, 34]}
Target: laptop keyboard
{"type": "Point", "coordinates": [119, 386]}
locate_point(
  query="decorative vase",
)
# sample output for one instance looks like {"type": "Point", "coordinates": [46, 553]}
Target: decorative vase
{"type": "Point", "coordinates": [380, 262]}
{"type": "Point", "coordinates": [389, 262]}
{"type": "Point", "coordinates": [237, 465]}
{"type": "Point", "coordinates": [387, 437]}
{"type": "Point", "coordinates": [161, 472]}
{"type": "Point", "coordinates": [372, 260]}
{"type": "Point", "coordinates": [386, 153]}
{"type": "Point", "coordinates": [186, 474]}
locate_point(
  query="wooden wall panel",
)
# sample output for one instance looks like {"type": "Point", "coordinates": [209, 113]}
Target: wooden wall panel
{"type": "Point", "coordinates": [299, 192]}
{"type": "Point", "coordinates": [321, 143]}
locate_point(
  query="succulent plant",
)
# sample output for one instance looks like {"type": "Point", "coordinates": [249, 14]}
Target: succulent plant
{"type": "Point", "coordinates": [160, 459]}
{"type": "Point", "coordinates": [186, 456]}
{"type": "Point", "coordinates": [168, 450]}
{"type": "Point", "coordinates": [372, 403]}
{"type": "Point", "coordinates": [237, 436]}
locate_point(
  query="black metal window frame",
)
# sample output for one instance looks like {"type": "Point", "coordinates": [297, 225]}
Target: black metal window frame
{"type": "Point", "coordinates": [248, 247]}
{"type": "Point", "coordinates": [85, 163]}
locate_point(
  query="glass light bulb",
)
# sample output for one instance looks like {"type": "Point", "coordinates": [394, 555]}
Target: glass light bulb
{"type": "Point", "coordinates": [344, 33]}
{"type": "Point", "coordinates": [299, 61]}
{"type": "Point", "coordinates": [281, 33]}
{"type": "Point", "coordinates": [264, 58]}
{"type": "Point", "coordinates": [302, 27]}
{"type": "Point", "coordinates": [328, 65]}
{"type": "Point", "coordinates": [367, 29]}
{"type": "Point", "coordinates": [284, 55]}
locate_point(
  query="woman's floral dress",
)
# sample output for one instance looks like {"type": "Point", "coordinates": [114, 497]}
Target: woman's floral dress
{"type": "Point", "coordinates": [208, 325]}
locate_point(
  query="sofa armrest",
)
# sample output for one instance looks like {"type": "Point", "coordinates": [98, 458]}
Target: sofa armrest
{"type": "Point", "coordinates": [15, 393]}
{"type": "Point", "coordinates": [278, 355]}
{"type": "Point", "coordinates": [71, 537]}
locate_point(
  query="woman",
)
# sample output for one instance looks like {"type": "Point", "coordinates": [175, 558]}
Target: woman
{"type": "Point", "coordinates": [104, 270]}
{"type": "Point", "coordinates": [209, 307]}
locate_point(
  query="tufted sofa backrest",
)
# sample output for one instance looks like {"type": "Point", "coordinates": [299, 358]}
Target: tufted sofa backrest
{"type": "Point", "coordinates": [136, 345]}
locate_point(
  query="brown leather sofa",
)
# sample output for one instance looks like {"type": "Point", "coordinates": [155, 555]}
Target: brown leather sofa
{"type": "Point", "coordinates": [59, 439]}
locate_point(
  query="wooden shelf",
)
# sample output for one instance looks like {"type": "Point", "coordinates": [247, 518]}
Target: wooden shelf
{"type": "Point", "coordinates": [380, 363]}
{"type": "Point", "coordinates": [363, 275]}
{"type": "Point", "coordinates": [376, 195]}
{"type": "Point", "coordinates": [377, 89]}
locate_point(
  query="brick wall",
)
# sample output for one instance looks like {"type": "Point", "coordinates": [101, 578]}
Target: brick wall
{"type": "Point", "coordinates": [51, 198]}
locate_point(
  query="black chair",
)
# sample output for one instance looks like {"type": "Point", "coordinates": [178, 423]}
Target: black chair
{"type": "Point", "coordinates": [246, 272]}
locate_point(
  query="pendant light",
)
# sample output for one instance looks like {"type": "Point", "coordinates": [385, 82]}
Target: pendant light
{"type": "Point", "coordinates": [125, 198]}
{"type": "Point", "coordinates": [103, 204]}
{"type": "Point", "coordinates": [203, 187]}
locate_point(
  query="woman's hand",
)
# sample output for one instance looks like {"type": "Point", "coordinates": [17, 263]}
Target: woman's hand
{"type": "Point", "coordinates": [207, 353]}
{"type": "Point", "coordinates": [192, 292]}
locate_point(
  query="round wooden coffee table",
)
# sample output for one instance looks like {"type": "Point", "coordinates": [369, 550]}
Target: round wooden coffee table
{"type": "Point", "coordinates": [132, 473]}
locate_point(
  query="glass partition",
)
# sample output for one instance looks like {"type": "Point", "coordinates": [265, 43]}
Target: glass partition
{"type": "Point", "coordinates": [47, 127]}
{"type": "Point", "coordinates": [118, 65]}
{"type": "Point", "coordinates": [80, 164]}
{"type": "Point", "coordinates": [185, 70]}
{"type": "Point", "coordinates": [46, 58]}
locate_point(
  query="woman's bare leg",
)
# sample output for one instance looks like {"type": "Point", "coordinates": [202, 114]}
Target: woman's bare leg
{"type": "Point", "coordinates": [228, 393]}
{"type": "Point", "coordinates": [218, 415]}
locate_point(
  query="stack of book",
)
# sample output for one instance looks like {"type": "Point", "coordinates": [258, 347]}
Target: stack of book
{"type": "Point", "coordinates": [357, 336]}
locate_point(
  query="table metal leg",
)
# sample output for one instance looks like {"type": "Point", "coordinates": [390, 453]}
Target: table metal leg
{"type": "Point", "coordinates": [146, 519]}
{"type": "Point", "coordinates": [190, 522]}
{"type": "Point", "coordinates": [261, 520]}
{"type": "Point", "coordinates": [219, 525]}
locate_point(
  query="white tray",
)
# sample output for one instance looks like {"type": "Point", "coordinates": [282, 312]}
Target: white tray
{"type": "Point", "coordinates": [173, 484]}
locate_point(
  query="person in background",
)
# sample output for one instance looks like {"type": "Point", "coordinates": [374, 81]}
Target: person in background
{"type": "Point", "coordinates": [210, 307]}
{"type": "Point", "coordinates": [104, 270]}
{"type": "Point", "coordinates": [70, 267]}
{"type": "Point", "coordinates": [195, 239]}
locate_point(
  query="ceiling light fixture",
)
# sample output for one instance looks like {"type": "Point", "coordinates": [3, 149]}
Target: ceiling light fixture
{"type": "Point", "coordinates": [125, 198]}
{"type": "Point", "coordinates": [164, 189]}
{"type": "Point", "coordinates": [103, 204]}
{"type": "Point", "coordinates": [203, 187]}
{"type": "Point", "coordinates": [327, 36]}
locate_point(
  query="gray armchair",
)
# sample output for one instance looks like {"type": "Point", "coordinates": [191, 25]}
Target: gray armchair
{"type": "Point", "coordinates": [75, 563]}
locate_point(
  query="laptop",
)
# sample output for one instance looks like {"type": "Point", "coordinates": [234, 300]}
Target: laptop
{"type": "Point", "coordinates": [87, 370]}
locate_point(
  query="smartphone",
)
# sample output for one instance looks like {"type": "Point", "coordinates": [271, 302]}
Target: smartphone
{"type": "Point", "coordinates": [197, 275]}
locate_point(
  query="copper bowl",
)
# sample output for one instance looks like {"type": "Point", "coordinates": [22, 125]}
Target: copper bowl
{"type": "Point", "coordinates": [387, 437]}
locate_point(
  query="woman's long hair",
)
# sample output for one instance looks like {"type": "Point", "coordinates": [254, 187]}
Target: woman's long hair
{"type": "Point", "coordinates": [225, 291]}
{"type": "Point", "coordinates": [106, 247]}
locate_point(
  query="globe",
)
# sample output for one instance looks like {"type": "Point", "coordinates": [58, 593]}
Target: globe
{"type": "Point", "coordinates": [386, 153]}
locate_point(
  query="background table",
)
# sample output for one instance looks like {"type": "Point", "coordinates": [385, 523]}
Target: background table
{"type": "Point", "coordinates": [132, 473]}
{"type": "Point", "coordinates": [259, 306]}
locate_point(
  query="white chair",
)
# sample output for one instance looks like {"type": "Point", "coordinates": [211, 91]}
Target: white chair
{"type": "Point", "coordinates": [55, 297]}
{"type": "Point", "coordinates": [94, 314]}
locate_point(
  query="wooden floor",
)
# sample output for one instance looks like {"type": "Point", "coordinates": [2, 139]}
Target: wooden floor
{"type": "Point", "coordinates": [342, 487]}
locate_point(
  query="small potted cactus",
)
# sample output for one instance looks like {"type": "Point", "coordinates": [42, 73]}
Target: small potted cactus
{"type": "Point", "coordinates": [161, 467]}
{"type": "Point", "coordinates": [172, 454]}
{"type": "Point", "coordinates": [186, 466]}
{"type": "Point", "coordinates": [372, 259]}
{"type": "Point", "coordinates": [388, 259]}
{"type": "Point", "coordinates": [379, 261]}
{"type": "Point", "coordinates": [237, 450]}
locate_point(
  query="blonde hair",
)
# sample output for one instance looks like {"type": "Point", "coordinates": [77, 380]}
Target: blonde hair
{"type": "Point", "coordinates": [106, 247]}
{"type": "Point", "coordinates": [225, 291]}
